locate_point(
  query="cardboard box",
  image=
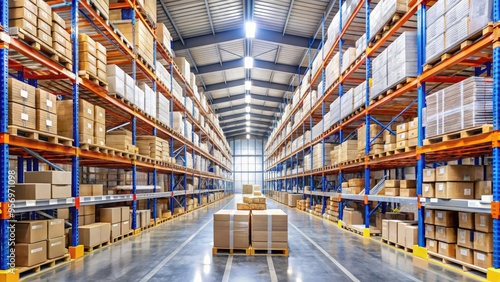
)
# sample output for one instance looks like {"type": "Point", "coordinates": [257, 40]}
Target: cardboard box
{"type": "Point", "coordinates": [22, 116]}
{"type": "Point", "coordinates": [465, 238]}
{"type": "Point", "coordinates": [393, 230]}
{"type": "Point", "coordinates": [99, 115]}
{"type": "Point", "coordinates": [31, 254]}
{"type": "Point", "coordinates": [55, 228]}
{"type": "Point", "coordinates": [88, 219]}
{"type": "Point", "coordinates": [46, 122]}
{"type": "Point", "coordinates": [428, 190]}
{"type": "Point", "coordinates": [401, 128]}
{"type": "Point", "coordinates": [97, 190]}
{"type": "Point", "coordinates": [89, 235]}
{"type": "Point", "coordinates": [125, 214]}
{"type": "Point", "coordinates": [385, 228]}
{"type": "Point", "coordinates": [483, 222]}
{"type": "Point", "coordinates": [407, 184]}
{"type": "Point", "coordinates": [63, 213]}
{"type": "Point", "coordinates": [61, 191]}
{"type": "Point", "coordinates": [239, 236]}
{"type": "Point", "coordinates": [55, 247]}
{"type": "Point", "coordinates": [482, 188]}
{"type": "Point", "coordinates": [52, 177]}
{"type": "Point", "coordinates": [456, 173]}
{"type": "Point", "coordinates": [446, 234]}
{"type": "Point", "coordinates": [454, 190]}
{"type": "Point", "coordinates": [356, 182]}
{"type": "Point", "coordinates": [464, 255]}
{"type": "Point", "coordinates": [392, 191]}
{"type": "Point", "coordinates": [408, 192]}
{"type": "Point", "coordinates": [482, 259]}
{"type": "Point", "coordinates": [32, 191]}
{"type": "Point", "coordinates": [446, 249]}
{"type": "Point", "coordinates": [429, 175]}
{"type": "Point", "coordinates": [389, 183]}
{"type": "Point", "coordinates": [45, 101]}
{"type": "Point", "coordinates": [353, 217]}
{"type": "Point", "coordinates": [125, 227]}
{"type": "Point", "coordinates": [21, 93]}
{"type": "Point", "coordinates": [401, 240]}
{"type": "Point", "coordinates": [85, 110]}
{"type": "Point", "coordinates": [111, 215]}
{"type": "Point", "coordinates": [85, 190]}
{"type": "Point", "coordinates": [23, 13]}
{"type": "Point", "coordinates": [31, 231]}
{"type": "Point", "coordinates": [483, 242]}
{"type": "Point", "coordinates": [430, 231]}
{"type": "Point", "coordinates": [445, 218]}
{"type": "Point", "coordinates": [432, 245]}
{"type": "Point", "coordinates": [104, 231]}
{"type": "Point", "coordinates": [466, 220]}
{"type": "Point", "coordinates": [116, 229]}
{"type": "Point", "coordinates": [411, 238]}
{"type": "Point", "coordinates": [429, 216]}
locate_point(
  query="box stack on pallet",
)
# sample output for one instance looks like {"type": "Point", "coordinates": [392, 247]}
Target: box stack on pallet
{"type": "Point", "coordinates": [332, 209]}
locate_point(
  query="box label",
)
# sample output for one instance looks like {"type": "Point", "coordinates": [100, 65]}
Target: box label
{"type": "Point", "coordinates": [24, 116]}
{"type": "Point", "coordinates": [24, 93]}
{"type": "Point", "coordinates": [441, 187]}
{"type": "Point", "coordinates": [49, 123]}
{"type": "Point", "coordinates": [31, 203]}
{"type": "Point", "coordinates": [467, 192]}
{"type": "Point", "coordinates": [441, 170]}
{"type": "Point", "coordinates": [439, 215]}
{"type": "Point", "coordinates": [481, 256]}
{"type": "Point", "coordinates": [467, 177]}
{"type": "Point", "coordinates": [55, 244]}
{"type": "Point", "coordinates": [36, 250]}
{"type": "Point", "coordinates": [464, 252]}
{"type": "Point", "coordinates": [49, 103]}
{"type": "Point", "coordinates": [431, 243]}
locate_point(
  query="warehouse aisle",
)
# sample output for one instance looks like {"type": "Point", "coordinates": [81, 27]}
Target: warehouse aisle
{"type": "Point", "coordinates": [181, 250]}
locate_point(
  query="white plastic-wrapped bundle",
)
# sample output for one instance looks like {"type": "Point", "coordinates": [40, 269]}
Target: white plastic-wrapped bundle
{"type": "Point", "coordinates": [189, 105]}
{"type": "Point", "coordinates": [332, 71]}
{"type": "Point", "coordinates": [335, 110]}
{"type": "Point", "coordinates": [360, 45]}
{"type": "Point", "coordinates": [177, 91]}
{"type": "Point", "coordinates": [435, 29]}
{"type": "Point", "coordinates": [383, 12]}
{"type": "Point", "coordinates": [433, 13]}
{"type": "Point", "coordinates": [402, 58]}
{"type": "Point", "coordinates": [139, 98]}
{"type": "Point", "coordinates": [379, 75]}
{"type": "Point", "coordinates": [348, 58]}
{"type": "Point", "coordinates": [346, 103]}
{"type": "Point", "coordinates": [163, 109]}
{"type": "Point", "coordinates": [359, 96]}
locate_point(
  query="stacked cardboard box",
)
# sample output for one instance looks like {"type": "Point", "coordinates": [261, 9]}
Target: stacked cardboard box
{"type": "Point", "coordinates": [103, 7]}
{"type": "Point", "coordinates": [31, 242]}
{"type": "Point", "coordinates": [333, 208]}
{"type": "Point", "coordinates": [118, 218]}
{"type": "Point", "coordinates": [322, 157]}
{"type": "Point", "coordinates": [86, 117]}
{"type": "Point", "coordinates": [348, 58]}
{"type": "Point", "coordinates": [143, 39]}
{"type": "Point", "coordinates": [163, 109]}
{"type": "Point", "coordinates": [455, 182]}
{"type": "Point", "coordinates": [143, 218]}
{"type": "Point", "coordinates": [332, 70]}
{"type": "Point", "coordinates": [304, 204]}
{"type": "Point", "coordinates": [391, 187]}
{"type": "Point", "coordinates": [24, 14]}
{"type": "Point", "coordinates": [22, 103]}
{"type": "Point", "coordinates": [153, 147]}
{"type": "Point", "coordinates": [348, 151]}
{"type": "Point", "coordinates": [86, 215]}
{"type": "Point", "coordinates": [317, 209]}
{"type": "Point", "coordinates": [269, 229]}
{"type": "Point", "coordinates": [164, 37]}
{"type": "Point", "coordinates": [401, 58]}
{"type": "Point", "coordinates": [293, 198]}
{"type": "Point", "coordinates": [352, 217]}
{"type": "Point", "coordinates": [401, 232]}
{"type": "Point", "coordinates": [376, 145]}
{"type": "Point", "coordinates": [120, 139]}
{"type": "Point", "coordinates": [247, 188]}
{"type": "Point", "coordinates": [60, 182]}
{"type": "Point", "coordinates": [389, 139]}
{"type": "Point", "coordinates": [46, 119]}
{"type": "Point", "coordinates": [232, 229]}
{"type": "Point", "coordinates": [355, 186]}
{"type": "Point", "coordinates": [102, 62]}
{"type": "Point", "coordinates": [183, 66]}
{"type": "Point", "coordinates": [61, 39]}
{"type": "Point", "coordinates": [32, 191]}
{"type": "Point", "coordinates": [87, 54]}
{"type": "Point", "coordinates": [94, 234]}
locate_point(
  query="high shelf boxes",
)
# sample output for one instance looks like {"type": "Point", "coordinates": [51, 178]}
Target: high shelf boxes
{"type": "Point", "coordinates": [144, 39]}
{"type": "Point", "coordinates": [22, 111]}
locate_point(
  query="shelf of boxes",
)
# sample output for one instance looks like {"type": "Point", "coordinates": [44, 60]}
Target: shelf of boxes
{"type": "Point", "coordinates": [295, 155]}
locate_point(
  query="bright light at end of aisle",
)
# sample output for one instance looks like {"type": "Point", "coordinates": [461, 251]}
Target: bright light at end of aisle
{"type": "Point", "coordinates": [247, 116]}
{"type": "Point", "coordinates": [248, 136]}
{"type": "Point", "coordinates": [250, 28]}
{"type": "Point", "coordinates": [248, 85]}
{"type": "Point", "coordinates": [247, 108]}
{"type": "Point", "coordinates": [248, 62]}
{"type": "Point", "coordinates": [248, 123]}
{"type": "Point", "coordinates": [248, 129]}
{"type": "Point", "coordinates": [248, 98]}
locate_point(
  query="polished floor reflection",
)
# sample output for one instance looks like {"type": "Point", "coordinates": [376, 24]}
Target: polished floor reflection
{"type": "Point", "coordinates": [181, 250]}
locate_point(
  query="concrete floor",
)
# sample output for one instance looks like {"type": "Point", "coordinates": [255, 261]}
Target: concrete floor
{"type": "Point", "coordinates": [181, 250]}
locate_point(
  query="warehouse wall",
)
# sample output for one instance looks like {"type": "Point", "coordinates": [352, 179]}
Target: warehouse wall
{"type": "Point", "coordinates": [247, 162]}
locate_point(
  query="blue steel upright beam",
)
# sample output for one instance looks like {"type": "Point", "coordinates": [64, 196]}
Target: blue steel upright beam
{"type": "Point", "coordinates": [366, 232]}
{"type": "Point", "coordinates": [341, 132]}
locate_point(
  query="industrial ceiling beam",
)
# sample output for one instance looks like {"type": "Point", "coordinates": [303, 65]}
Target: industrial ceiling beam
{"type": "Point", "coordinates": [242, 96]}
{"type": "Point", "coordinates": [244, 136]}
{"type": "Point", "coordinates": [288, 16]}
{"type": "Point", "coordinates": [243, 128]}
{"type": "Point", "coordinates": [252, 117]}
{"type": "Point", "coordinates": [239, 122]}
{"type": "Point", "coordinates": [239, 34]}
{"type": "Point", "coordinates": [242, 106]}
{"type": "Point", "coordinates": [257, 64]}
{"type": "Point", "coordinates": [241, 82]}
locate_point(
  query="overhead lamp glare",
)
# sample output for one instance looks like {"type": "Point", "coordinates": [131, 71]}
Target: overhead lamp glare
{"type": "Point", "coordinates": [248, 123]}
{"type": "Point", "coordinates": [247, 116]}
{"type": "Point", "coordinates": [250, 28]}
{"type": "Point", "coordinates": [248, 136]}
{"type": "Point", "coordinates": [248, 85]}
{"type": "Point", "coordinates": [248, 62]}
{"type": "Point", "coordinates": [247, 108]}
{"type": "Point", "coordinates": [248, 98]}
{"type": "Point", "coordinates": [248, 129]}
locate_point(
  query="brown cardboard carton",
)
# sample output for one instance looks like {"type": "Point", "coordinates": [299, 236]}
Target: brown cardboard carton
{"type": "Point", "coordinates": [111, 215]}
{"type": "Point", "coordinates": [391, 183]}
{"type": "Point", "coordinates": [455, 190]}
{"type": "Point", "coordinates": [125, 214]}
{"type": "Point", "coordinates": [446, 249]}
{"type": "Point", "coordinates": [22, 116]}
{"type": "Point", "coordinates": [483, 222]}
{"type": "Point", "coordinates": [464, 255]}
{"type": "Point", "coordinates": [430, 231]}
{"type": "Point", "coordinates": [385, 229]}
{"type": "Point", "coordinates": [403, 127]}
{"type": "Point", "coordinates": [401, 240]}
{"type": "Point", "coordinates": [61, 191]}
{"type": "Point", "coordinates": [32, 191]}
{"type": "Point", "coordinates": [115, 229]}
{"type": "Point", "coordinates": [429, 175]}
{"type": "Point", "coordinates": [44, 37]}
{"type": "Point", "coordinates": [357, 182]}
{"type": "Point", "coordinates": [45, 101]}
{"type": "Point", "coordinates": [104, 231]}
{"type": "Point", "coordinates": [483, 242]}
{"type": "Point", "coordinates": [28, 4]}
{"type": "Point", "coordinates": [353, 217]}
{"type": "Point", "coordinates": [89, 235]}
{"type": "Point", "coordinates": [55, 247]}
{"type": "Point", "coordinates": [274, 244]}
{"type": "Point", "coordinates": [432, 245]}
{"type": "Point", "coordinates": [99, 130]}
{"type": "Point", "coordinates": [465, 238]}
{"type": "Point", "coordinates": [52, 177]}
{"type": "Point", "coordinates": [31, 231]}
{"type": "Point", "coordinates": [446, 234]}
{"type": "Point", "coordinates": [88, 219]}
{"type": "Point", "coordinates": [482, 188]}
{"type": "Point", "coordinates": [55, 228]}
{"type": "Point", "coordinates": [125, 227]}
{"type": "Point", "coordinates": [445, 218]}
{"type": "Point", "coordinates": [429, 216]}
{"type": "Point", "coordinates": [46, 122]}
{"type": "Point", "coordinates": [85, 189]}
{"type": "Point", "coordinates": [63, 213]}
{"type": "Point", "coordinates": [482, 259]}
{"type": "Point", "coordinates": [21, 93]}
{"type": "Point", "coordinates": [85, 110]}
{"type": "Point", "coordinates": [100, 115]}
{"type": "Point", "coordinates": [392, 191]}
{"type": "Point", "coordinates": [428, 190]}
{"type": "Point", "coordinates": [97, 190]}
{"type": "Point", "coordinates": [23, 13]}
{"type": "Point", "coordinates": [466, 220]}
{"type": "Point", "coordinates": [456, 173]}
{"type": "Point", "coordinates": [31, 254]}
{"type": "Point", "coordinates": [408, 192]}
{"type": "Point", "coordinates": [411, 237]}
{"type": "Point", "coordinates": [407, 184]}
{"type": "Point", "coordinates": [393, 230]}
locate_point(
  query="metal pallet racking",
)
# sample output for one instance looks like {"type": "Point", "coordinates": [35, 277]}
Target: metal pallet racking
{"type": "Point", "coordinates": [473, 146]}
{"type": "Point", "coordinates": [83, 17]}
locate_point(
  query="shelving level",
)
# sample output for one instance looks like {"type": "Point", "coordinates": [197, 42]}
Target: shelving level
{"type": "Point", "coordinates": [199, 158]}
{"type": "Point", "coordinates": [338, 128]}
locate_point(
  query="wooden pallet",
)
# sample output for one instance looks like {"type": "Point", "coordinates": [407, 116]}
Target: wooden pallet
{"type": "Point", "coordinates": [148, 64]}
{"type": "Point", "coordinates": [42, 266]}
{"type": "Point", "coordinates": [234, 251]}
{"type": "Point", "coordinates": [123, 100]}
{"type": "Point", "coordinates": [93, 78]}
{"type": "Point", "coordinates": [396, 245]}
{"type": "Point", "coordinates": [359, 229]}
{"type": "Point", "coordinates": [97, 247]}
{"type": "Point", "coordinates": [98, 149]}
{"type": "Point", "coordinates": [392, 89]}
{"type": "Point", "coordinates": [272, 252]}
{"type": "Point", "coordinates": [385, 28]}
{"type": "Point", "coordinates": [464, 44]}
{"type": "Point", "coordinates": [349, 162]}
{"type": "Point", "coordinates": [121, 237]}
{"type": "Point", "coordinates": [145, 159]}
{"type": "Point", "coordinates": [40, 136]}
{"type": "Point", "coordinates": [459, 134]}
{"type": "Point", "coordinates": [452, 261]}
{"type": "Point", "coordinates": [98, 10]}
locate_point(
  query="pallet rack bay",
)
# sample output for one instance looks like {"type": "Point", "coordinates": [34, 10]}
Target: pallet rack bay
{"type": "Point", "coordinates": [38, 70]}
{"type": "Point", "coordinates": [479, 53]}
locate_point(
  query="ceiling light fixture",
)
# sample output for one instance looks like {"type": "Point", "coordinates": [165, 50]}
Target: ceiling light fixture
{"type": "Point", "coordinates": [248, 129]}
{"type": "Point", "coordinates": [250, 28]}
{"type": "Point", "coordinates": [248, 62]}
{"type": "Point", "coordinates": [248, 85]}
{"type": "Point", "coordinates": [247, 116]}
{"type": "Point", "coordinates": [248, 136]}
{"type": "Point", "coordinates": [248, 98]}
{"type": "Point", "coordinates": [248, 123]}
{"type": "Point", "coordinates": [247, 108]}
